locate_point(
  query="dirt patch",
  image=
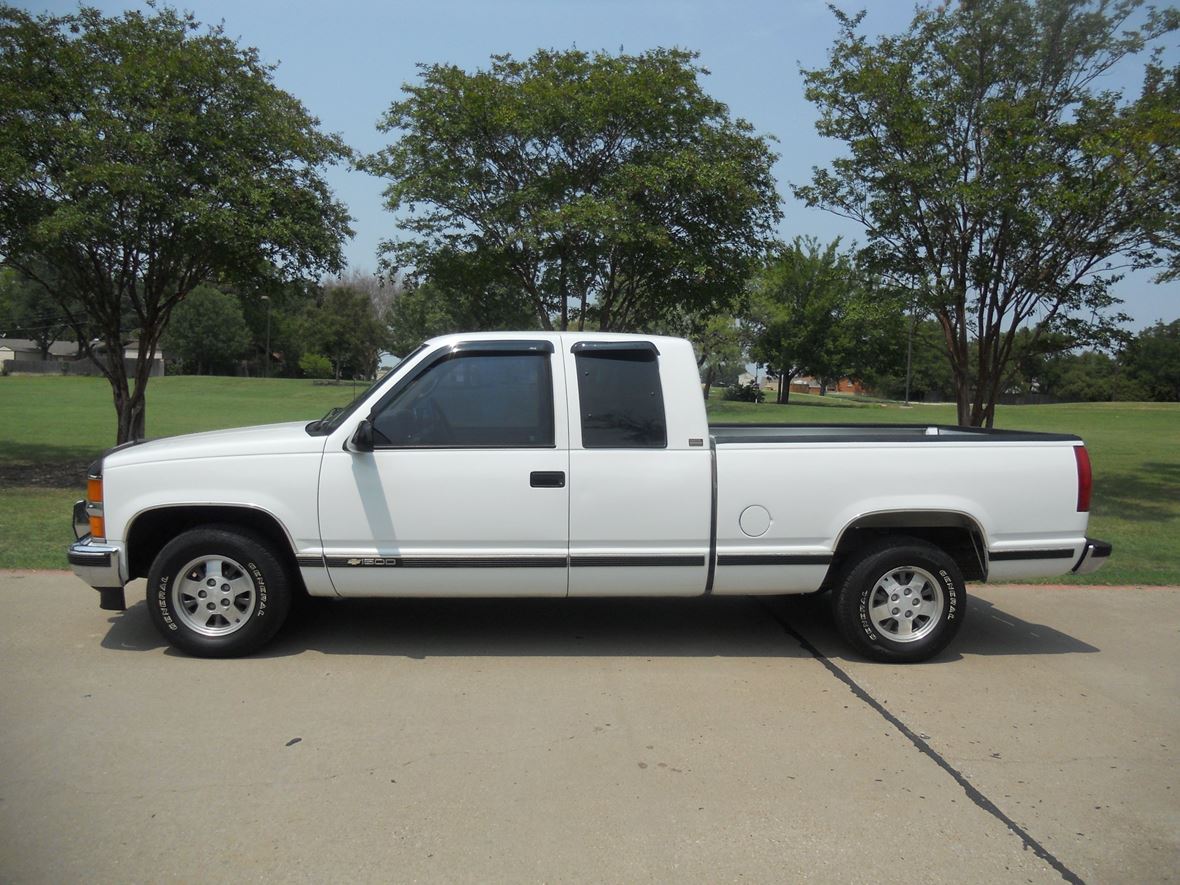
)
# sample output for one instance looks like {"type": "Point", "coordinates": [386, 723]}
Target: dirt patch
{"type": "Point", "coordinates": [47, 475]}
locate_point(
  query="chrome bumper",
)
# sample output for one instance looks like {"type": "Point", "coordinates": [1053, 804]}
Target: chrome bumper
{"type": "Point", "coordinates": [1094, 554]}
{"type": "Point", "coordinates": [97, 564]}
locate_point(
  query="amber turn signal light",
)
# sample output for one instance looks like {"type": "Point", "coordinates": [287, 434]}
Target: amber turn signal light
{"type": "Point", "coordinates": [98, 528]}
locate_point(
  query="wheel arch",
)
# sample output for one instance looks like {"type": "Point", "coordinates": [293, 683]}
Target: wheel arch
{"type": "Point", "coordinates": [149, 530]}
{"type": "Point", "coordinates": [958, 534]}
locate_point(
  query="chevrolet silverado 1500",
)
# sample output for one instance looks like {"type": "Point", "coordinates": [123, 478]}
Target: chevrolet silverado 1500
{"type": "Point", "coordinates": [575, 464]}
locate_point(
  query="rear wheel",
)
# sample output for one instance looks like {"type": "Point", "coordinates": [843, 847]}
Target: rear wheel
{"type": "Point", "coordinates": [218, 591]}
{"type": "Point", "coordinates": [901, 600]}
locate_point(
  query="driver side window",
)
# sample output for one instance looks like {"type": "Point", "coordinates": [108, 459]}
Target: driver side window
{"type": "Point", "coordinates": [473, 400]}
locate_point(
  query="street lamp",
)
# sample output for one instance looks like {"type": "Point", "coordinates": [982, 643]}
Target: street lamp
{"type": "Point", "coordinates": [266, 298]}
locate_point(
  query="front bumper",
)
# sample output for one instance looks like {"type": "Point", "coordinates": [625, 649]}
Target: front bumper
{"type": "Point", "coordinates": [1094, 555]}
{"type": "Point", "coordinates": [98, 564]}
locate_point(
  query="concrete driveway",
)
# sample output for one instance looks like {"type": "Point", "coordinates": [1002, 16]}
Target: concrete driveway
{"type": "Point", "coordinates": [592, 740]}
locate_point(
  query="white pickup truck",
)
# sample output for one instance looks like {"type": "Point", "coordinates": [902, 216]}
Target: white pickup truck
{"type": "Point", "coordinates": [575, 464]}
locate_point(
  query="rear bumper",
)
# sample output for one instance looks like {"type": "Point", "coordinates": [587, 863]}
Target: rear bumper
{"type": "Point", "coordinates": [1094, 554]}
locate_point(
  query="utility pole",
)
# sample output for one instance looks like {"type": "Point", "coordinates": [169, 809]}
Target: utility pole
{"type": "Point", "coordinates": [909, 358]}
{"type": "Point", "coordinates": [266, 298]}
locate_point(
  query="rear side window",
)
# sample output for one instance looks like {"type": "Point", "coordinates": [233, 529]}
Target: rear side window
{"type": "Point", "coordinates": [621, 400]}
{"type": "Point", "coordinates": [473, 401]}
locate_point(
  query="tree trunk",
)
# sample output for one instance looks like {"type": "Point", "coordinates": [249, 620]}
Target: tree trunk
{"type": "Point", "coordinates": [130, 408]}
{"type": "Point", "coordinates": [709, 381]}
{"type": "Point", "coordinates": [132, 416]}
{"type": "Point", "coordinates": [784, 388]}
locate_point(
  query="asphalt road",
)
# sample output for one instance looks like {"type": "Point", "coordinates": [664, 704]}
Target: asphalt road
{"type": "Point", "coordinates": [604, 740]}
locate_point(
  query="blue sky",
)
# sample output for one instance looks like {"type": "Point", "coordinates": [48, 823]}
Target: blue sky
{"type": "Point", "coordinates": [346, 61]}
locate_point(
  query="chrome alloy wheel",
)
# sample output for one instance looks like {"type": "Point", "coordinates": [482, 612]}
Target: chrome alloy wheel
{"type": "Point", "coordinates": [214, 596]}
{"type": "Point", "coordinates": [905, 603]}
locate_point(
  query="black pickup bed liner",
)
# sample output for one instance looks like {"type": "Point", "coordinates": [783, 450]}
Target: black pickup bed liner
{"type": "Point", "coordinates": [845, 433]}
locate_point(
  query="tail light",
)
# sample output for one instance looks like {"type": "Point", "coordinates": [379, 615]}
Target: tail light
{"type": "Point", "coordinates": [1085, 478]}
{"type": "Point", "coordinates": [98, 528]}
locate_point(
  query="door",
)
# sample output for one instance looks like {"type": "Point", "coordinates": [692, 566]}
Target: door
{"type": "Point", "coordinates": [465, 492]}
{"type": "Point", "coordinates": [641, 502]}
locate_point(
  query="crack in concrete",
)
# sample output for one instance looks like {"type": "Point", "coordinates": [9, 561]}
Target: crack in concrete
{"type": "Point", "coordinates": [973, 793]}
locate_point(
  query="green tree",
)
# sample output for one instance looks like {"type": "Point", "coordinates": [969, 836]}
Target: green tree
{"type": "Point", "coordinates": [429, 308]}
{"type": "Point", "coordinates": [719, 345]}
{"type": "Point", "coordinates": [1157, 114]}
{"type": "Point", "coordinates": [313, 365]}
{"type": "Point", "coordinates": [345, 328]}
{"type": "Point", "coordinates": [802, 313]}
{"type": "Point", "coordinates": [600, 189]}
{"type": "Point", "coordinates": [1152, 359]}
{"type": "Point", "coordinates": [1082, 377]}
{"type": "Point", "coordinates": [208, 332]}
{"type": "Point", "coordinates": [930, 371]}
{"type": "Point", "coordinates": [985, 162]}
{"type": "Point", "coordinates": [27, 312]}
{"type": "Point", "coordinates": [141, 155]}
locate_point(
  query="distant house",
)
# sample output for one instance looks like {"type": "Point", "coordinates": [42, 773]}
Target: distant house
{"type": "Point", "coordinates": [23, 355]}
{"type": "Point", "coordinates": [808, 384]}
{"type": "Point", "coordinates": [131, 355]}
{"type": "Point", "coordinates": [25, 350]}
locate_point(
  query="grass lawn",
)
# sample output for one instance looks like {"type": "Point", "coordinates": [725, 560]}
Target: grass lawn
{"type": "Point", "coordinates": [54, 425]}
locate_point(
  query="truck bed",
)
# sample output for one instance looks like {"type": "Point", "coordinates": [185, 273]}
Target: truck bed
{"type": "Point", "coordinates": [739, 434]}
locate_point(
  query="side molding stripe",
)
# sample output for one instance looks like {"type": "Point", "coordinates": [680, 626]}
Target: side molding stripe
{"type": "Point", "coordinates": [1012, 555]}
{"type": "Point", "coordinates": [366, 561]}
{"type": "Point", "coordinates": [774, 559]}
{"type": "Point", "coordinates": [581, 561]}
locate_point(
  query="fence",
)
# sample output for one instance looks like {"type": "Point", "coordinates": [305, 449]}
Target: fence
{"type": "Point", "coordinates": [70, 367]}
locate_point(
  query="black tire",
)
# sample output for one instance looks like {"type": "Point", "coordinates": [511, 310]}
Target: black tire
{"type": "Point", "coordinates": [218, 591]}
{"type": "Point", "coordinates": [878, 623]}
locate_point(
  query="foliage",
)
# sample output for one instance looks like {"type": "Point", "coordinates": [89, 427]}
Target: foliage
{"type": "Point", "coordinates": [931, 379]}
{"type": "Point", "coordinates": [428, 309]}
{"type": "Point", "coordinates": [344, 327]}
{"type": "Point", "coordinates": [719, 346]}
{"type": "Point", "coordinates": [313, 365]}
{"type": "Point", "coordinates": [278, 319]}
{"type": "Point", "coordinates": [1082, 377]}
{"type": "Point", "coordinates": [811, 311]}
{"type": "Point", "coordinates": [1157, 114]}
{"type": "Point", "coordinates": [991, 174]}
{"type": "Point", "coordinates": [1153, 361]}
{"type": "Point", "coordinates": [750, 392]}
{"type": "Point", "coordinates": [141, 155]}
{"type": "Point", "coordinates": [208, 333]}
{"type": "Point", "coordinates": [596, 189]}
{"type": "Point", "coordinates": [26, 312]}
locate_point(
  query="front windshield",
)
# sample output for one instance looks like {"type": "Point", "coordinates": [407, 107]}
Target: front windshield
{"type": "Point", "coordinates": [337, 414]}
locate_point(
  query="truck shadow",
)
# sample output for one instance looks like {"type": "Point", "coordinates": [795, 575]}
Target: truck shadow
{"type": "Point", "coordinates": [988, 630]}
{"type": "Point", "coordinates": [624, 627]}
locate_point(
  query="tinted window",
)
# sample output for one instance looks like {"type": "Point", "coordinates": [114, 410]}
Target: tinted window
{"type": "Point", "coordinates": [622, 404]}
{"type": "Point", "coordinates": [473, 400]}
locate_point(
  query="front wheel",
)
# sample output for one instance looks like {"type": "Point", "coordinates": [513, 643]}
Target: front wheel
{"type": "Point", "coordinates": [902, 600]}
{"type": "Point", "coordinates": [218, 592]}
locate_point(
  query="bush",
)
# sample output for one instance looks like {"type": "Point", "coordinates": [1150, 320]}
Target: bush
{"type": "Point", "coordinates": [313, 365]}
{"type": "Point", "coordinates": [749, 392]}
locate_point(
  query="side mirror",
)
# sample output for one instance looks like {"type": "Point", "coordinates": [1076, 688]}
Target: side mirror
{"type": "Point", "coordinates": [362, 439]}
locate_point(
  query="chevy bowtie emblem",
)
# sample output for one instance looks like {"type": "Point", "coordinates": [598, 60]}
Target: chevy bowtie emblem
{"type": "Point", "coordinates": [354, 562]}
